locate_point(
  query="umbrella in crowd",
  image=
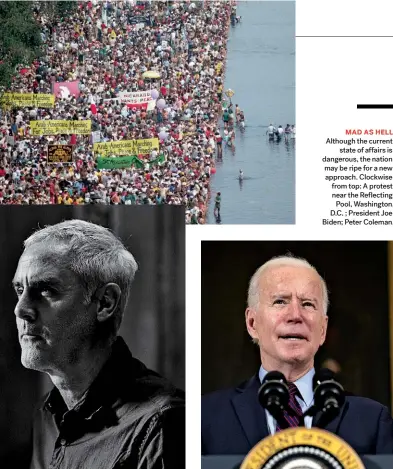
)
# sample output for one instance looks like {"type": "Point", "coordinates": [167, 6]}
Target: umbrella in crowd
{"type": "Point", "coordinates": [151, 74]}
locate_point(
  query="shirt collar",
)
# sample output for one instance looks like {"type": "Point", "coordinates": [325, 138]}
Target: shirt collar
{"type": "Point", "coordinates": [104, 389]}
{"type": "Point", "coordinates": [304, 384]}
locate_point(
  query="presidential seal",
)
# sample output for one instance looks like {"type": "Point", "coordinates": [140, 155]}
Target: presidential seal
{"type": "Point", "coordinates": [302, 448]}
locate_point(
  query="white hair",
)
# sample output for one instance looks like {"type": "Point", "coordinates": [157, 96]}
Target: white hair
{"type": "Point", "coordinates": [282, 261]}
{"type": "Point", "coordinates": [94, 254]}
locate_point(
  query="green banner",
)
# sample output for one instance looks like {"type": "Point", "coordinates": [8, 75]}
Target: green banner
{"type": "Point", "coordinates": [140, 164]}
{"type": "Point", "coordinates": [115, 163]}
{"type": "Point", "coordinates": [120, 162]}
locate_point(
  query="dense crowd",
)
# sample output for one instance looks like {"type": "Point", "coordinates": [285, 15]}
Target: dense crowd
{"type": "Point", "coordinates": [107, 49]}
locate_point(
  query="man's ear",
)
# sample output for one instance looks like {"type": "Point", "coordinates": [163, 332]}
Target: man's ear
{"type": "Point", "coordinates": [250, 315]}
{"type": "Point", "coordinates": [323, 330]}
{"type": "Point", "coordinates": [108, 298]}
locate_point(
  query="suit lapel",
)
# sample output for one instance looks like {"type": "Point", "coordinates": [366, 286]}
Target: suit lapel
{"type": "Point", "coordinates": [330, 424]}
{"type": "Point", "coordinates": [250, 413]}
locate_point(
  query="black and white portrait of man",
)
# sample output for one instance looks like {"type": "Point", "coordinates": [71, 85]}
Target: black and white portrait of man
{"type": "Point", "coordinates": [74, 284]}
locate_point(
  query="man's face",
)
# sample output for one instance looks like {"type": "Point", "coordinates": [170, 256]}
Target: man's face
{"type": "Point", "coordinates": [289, 322]}
{"type": "Point", "coordinates": [54, 324]}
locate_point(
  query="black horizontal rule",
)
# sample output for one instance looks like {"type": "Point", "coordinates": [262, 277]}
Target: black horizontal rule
{"type": "Point", "coordinates": [375, 106]}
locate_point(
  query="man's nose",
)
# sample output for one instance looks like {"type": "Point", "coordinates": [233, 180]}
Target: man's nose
{"type": "Point", "coordinates": [294, 311]}
{"type": "Point", "coordinates": [25, 309]}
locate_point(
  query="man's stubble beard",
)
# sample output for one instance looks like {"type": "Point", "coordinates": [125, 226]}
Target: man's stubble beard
{"type": "Point", "coordinates": [54, 353]}
{"type": "Point", "coordinates": [33, 357]}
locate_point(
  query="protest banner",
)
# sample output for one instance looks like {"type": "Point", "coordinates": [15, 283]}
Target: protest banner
{"type": "Point", "coordinates": [140, 164]}
{"type": "Point", "coordinates": [115, 163]}
{"type": "Point", "coordinates": [139, 19]}
{"type": "Point", "coordinates": [65, 89]}
{"type": "Point", "coordinates": [59, 154]}
{"type": "Point", "coordinates": [55, 127]}
{"type": "Point", "coordinates": [126, 162]}
{"type": "Point", "coordinates": [148, 106]}
{"type": "Point", "coordinates": [126, 147]}
{"type": "Point", "coordinates": [145, 146]}
{"type": "Point", "coordinates": [27, 100]}
{"type": "Point", "coordinates": [135, 97]}
{"type": "Point", "coordinates": [96, 136]}
{"type": "Point", "coordinates": [137, 106]}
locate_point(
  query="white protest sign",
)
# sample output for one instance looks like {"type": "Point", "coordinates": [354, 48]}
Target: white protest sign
{"type": "Point", "coordinates": [136, 97]}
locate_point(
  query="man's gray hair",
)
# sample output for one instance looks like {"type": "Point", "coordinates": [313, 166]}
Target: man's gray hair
{"type": "Point", "coordinates": [94, 254]}
{"type": "Point", "coordinates": [282, 261]}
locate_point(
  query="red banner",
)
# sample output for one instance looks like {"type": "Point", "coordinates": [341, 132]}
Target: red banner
{"type": "Point", "coordinates": [64, 89]}
{"type": "Point", "coordinates": [137, 106]}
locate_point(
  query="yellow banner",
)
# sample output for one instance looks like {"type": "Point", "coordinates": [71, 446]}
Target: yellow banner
{"type": "Point", "coordinates": [127, 147]}
{"type": "Point", "coordinates": [27, 100]}
{"type": "Point", "coordinates": [49, 127]}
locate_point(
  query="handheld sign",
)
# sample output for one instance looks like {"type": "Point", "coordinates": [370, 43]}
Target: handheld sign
{"type": "Point", "coordinates": [59, 154]}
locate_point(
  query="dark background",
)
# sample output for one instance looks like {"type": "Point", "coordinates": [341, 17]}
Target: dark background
{"type": "Point", "coordinates": [153, 324]}
{"type": "Point", "coordinates": [358, 331]}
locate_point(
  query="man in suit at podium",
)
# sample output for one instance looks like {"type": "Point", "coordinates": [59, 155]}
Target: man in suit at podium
{"type": "Point", "coordinates": [287, 318]}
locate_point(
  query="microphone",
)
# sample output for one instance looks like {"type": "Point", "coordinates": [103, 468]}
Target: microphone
{"type": "Point", "coordinates": [329, 394]}
{"type": "Point", "coordinates": [273, 394]}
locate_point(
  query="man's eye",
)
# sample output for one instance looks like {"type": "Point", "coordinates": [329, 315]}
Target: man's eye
{"type": "Point", "coordinates": [279, 302]}
{"type": "Point", "coordinates": [18, 290]}
{"type": "Point", "coordinates": [45, 291]}
{"type": "Point", "coordinates": [309, 304]}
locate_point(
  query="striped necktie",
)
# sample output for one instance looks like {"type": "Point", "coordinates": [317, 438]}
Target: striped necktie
{"type": "Point", "coordinates": [293, 416]}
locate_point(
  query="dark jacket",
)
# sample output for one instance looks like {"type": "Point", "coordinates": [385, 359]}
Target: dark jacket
{"type": "Point", "coordinates": [130, 418]}
{"type": "Point", "coordinates": [233, 422]}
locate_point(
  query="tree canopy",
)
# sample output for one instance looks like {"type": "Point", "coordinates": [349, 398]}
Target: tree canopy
{"type": "Point", "coordinates": [20, 37]}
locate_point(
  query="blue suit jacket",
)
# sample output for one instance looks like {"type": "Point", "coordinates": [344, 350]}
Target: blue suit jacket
{"type": "Point", "coordinates": [233, 422]}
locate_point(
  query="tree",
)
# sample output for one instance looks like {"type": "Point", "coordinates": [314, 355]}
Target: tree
{"type": "Point", "coordinates": [64, 8]}
{"type": "Point", "coordinates": [20, 38]}
{"type": "Point", "coordinates": [57, 10]}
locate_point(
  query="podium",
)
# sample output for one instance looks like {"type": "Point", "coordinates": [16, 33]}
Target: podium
{"type": "Point", "coordinates": [300, 448]}
{"type": "Point", "coordinates": [384, 461]}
